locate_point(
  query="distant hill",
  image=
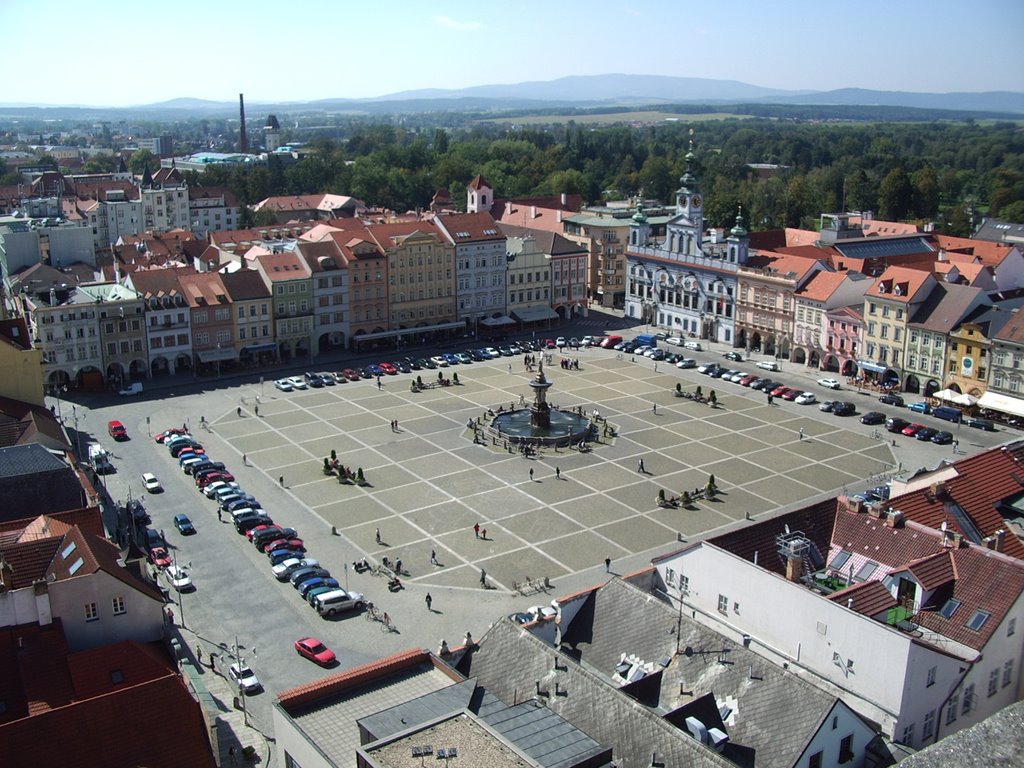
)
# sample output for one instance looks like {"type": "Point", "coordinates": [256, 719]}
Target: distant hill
{"type": "Point", "coordinates": [609, 90]}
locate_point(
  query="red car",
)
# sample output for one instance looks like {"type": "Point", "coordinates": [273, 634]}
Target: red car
{"type": "Point", "coordinates": [780, 390]}
{"type": "Point", "coordinates": [212, 477]}
{"type": "Point", "coordinates": [314, 650]}
{"type": "Point", "coordinates": [911, 430]}
{"type": "Point", "coordinates": [351, 374]}
{"type": "Point", "coordinates": [158, 556]}
{"type": "Point", "coordinates": [117, 430]}
{"type": "Point", "coordinates": [296, 544]}
{"type": "Point", "coordinates": [253, 531]}
{"type": "Point", "coordinates": [170, 433]}
{"type": "Point", "coordinates": [791, 394]}
{"type": "Point", "coordinates": [745, 381]}
{"type": "Point", "coordinates": [388, 368]}
{"type": "Point", "coordinates": [550, 344]}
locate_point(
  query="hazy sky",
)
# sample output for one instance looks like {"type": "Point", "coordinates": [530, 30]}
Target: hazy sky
{"type": "Point", "coordinates": [114, 52]}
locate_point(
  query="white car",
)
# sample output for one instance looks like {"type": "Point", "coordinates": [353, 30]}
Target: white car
{"type": "Point", "coordinates": [297, 382]}
{"type": "Point", "coordinates": [150, 483]}
{"type": "Point", "coordinates": [490, 351]}
{"type": "Point", "coordinates": [806, 399]}
{"type": "Point", "coordinates": [676, 341]}
{"type": "Point", "coordinates": [284, 569]}
{"type": "Point", "coordinates": [560, 342]}
{"type": "Point", "coordinates": [686, 362]}
{"type": "Point", "coordinates": [211, 490]}
{"type": "Point", "coordinates": [587, 341]}
{"type": "Point", "coordinates": [244, 677]}
{"type": "Point", "coordinates": [285, 385]}
{"type": "Point", "coordinates": [439, 361]}
{"type": "Point", "coordinates": [829, 383]}
{"type": "Point", "coordinates": [179, 578]}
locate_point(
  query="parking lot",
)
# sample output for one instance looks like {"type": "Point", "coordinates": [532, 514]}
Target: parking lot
{"type": "Point", "coordinates": [428, 484]}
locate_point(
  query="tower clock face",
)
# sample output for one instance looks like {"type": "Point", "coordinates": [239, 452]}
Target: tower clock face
{"type": "Point", "coordinates": [696, 201]}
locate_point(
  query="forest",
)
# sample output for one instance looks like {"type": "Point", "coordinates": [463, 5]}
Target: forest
{"type": "Point", "coordinates": [947, 171]}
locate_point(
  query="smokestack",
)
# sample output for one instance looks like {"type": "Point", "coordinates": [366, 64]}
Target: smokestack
{"type": "Point", "coordinates": [243, 140]}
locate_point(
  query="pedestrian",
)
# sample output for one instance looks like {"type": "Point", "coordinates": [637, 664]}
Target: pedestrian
{"type": "Point", "coordinates": [655, 367]}
{"type": "Point", "coordinates": [558, 473]}
{"type": "Point", "coordinates": [238, 410]}
{"type": "Point", "coordinates": [640, 467]}
{"type": "Point", "coordinates": [510, 367]}
{"type": "Point", "coordinates": [433, 557]}
{"type": "Point", "coordinates": [220, 518]}
{"type": "Point", "coordinates": [956, 445]}
{"type": "Point", "coordinates": [607, 565]}
{"type": "Point", "coordinates": [476, 530]}
{"type": "Point", "coordinates": [483, 534]}
{"type": "Point", "coordinates": [801, 433]}
{"type": "Point", "coordinates": [245, 459]}
{"type": "Point", "coordinates": [231, 754]}
{"type": "Point", "coordinates": [531, 474]}
{"type": "Point", "coordinates": [654, 408]}
{"type": "Point", "coordinates": [769, 398]}
{"type": "Point", "coordinates": [483, 578]}
{"type": "Point", "coordinates": [256, 410]}
{"type": "Point", "coordinates": [396, 425]}
{"type": "Point", "coordinates": [398, 567]}
{"type": "Point", "coordinates": [199, 654]}
{"type": "Point", "coordinates": [428, 600]}
{"type": "Point", "coordinates": [379, 385]}
{"type": "Point", "coordinates": [376, 535]}
{"type": "Point", "coordinates": [281, 480]}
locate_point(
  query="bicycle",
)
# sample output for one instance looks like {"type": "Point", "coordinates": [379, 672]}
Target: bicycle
{"type": "Point", "coordinates": [372, 613]}
{"type": "Point", "coordinates": [386, 624]}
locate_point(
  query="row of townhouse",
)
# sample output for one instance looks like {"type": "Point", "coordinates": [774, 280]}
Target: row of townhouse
{"type": "Point", "coordinates": [919, 311]}
{"type": "Point", "coordinates": [240, 299]}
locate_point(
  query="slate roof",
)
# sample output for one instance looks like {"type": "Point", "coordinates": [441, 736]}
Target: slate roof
{"type": "Point", "coordinates": [33, 481]}
{"type": "Point", "coordinates": [944, 308]}
{"type": "Point", "coordinates": [982, 481]}
{"type": "Point", "coordinates": [773, 713]}
{"type": "Point", "coordinates": [509, 659]}
{"type": "Point", "coordinates": [245, 285]}
{"type": "Point", "coordinates": [22, 422]}
{"type": "Point", "coordinates": [550, 243]}
{"type": "Point", "coordinates": [1013, 331]}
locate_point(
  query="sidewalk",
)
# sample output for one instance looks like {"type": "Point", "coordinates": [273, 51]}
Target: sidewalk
{"type": "Point", "coordinates": [227, 723]}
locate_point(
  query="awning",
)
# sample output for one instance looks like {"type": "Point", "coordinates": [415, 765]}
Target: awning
{"type": "Point", "coordinates": [534, 314]}
{"type": "Point", "coordinates": [215, 355]}
{"type": "Point", "coordinates": [357, 337]}
{"type": "Point", "coordinates": [492, 321]}
{"type": "Point", "coordinates": [967, 400]}
{"type": "Point", "coordinates": [867, 365]}
{"type": "Point", "coordinates": [270, 346]}
{"type": "Point", "coordinates": [945, 394]}
{"type": "Point", "coordinates": [1002, 403]}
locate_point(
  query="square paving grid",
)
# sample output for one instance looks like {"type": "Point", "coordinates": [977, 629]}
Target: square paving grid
{"type": "Point", "coordinates": [429, 484]}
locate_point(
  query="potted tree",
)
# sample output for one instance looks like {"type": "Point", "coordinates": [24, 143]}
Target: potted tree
{"type": "Point", "coordinates": [685, 499]}
{"type": "Point", "coordinates": [360, 479]}
{"type": "Point", "coordinates": [713, 399]}
{"type": "Point", "coordinates": [327, 466]}
{"type": "Point", "coordinates": [679, 389]}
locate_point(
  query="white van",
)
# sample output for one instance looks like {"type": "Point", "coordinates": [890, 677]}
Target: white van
{"type": "Point", "coordinates": [769, 365]}
{"type": "Point", "coordinates": [337, 601]}
{"type": "Point", "coordinates": [694, 345]}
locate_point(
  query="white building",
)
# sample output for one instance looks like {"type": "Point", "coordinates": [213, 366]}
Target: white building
{"type": "Point", "coordinates": [922, 634]}
{"type": "Point", "coordinates": [479, 265]}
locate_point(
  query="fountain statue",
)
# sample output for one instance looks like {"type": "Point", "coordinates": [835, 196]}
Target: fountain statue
{"type": "Point", "coordinates": [541, 422]}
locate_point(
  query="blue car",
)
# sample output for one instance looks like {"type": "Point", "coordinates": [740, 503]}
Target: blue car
{"type": "Point", "coordinates": [375, 369]}
{"type": "Point", "coordinates": [319, 581]}
{"type": "Point", "coordinates": [450, 358]}
{"type": "Point", "coordinates": [184, 525]}
{"type": "Point", "coordinates": [921, 407]}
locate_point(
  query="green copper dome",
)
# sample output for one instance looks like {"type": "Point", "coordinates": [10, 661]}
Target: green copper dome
{"type": "Point", "coordinates": [739, 230]}
{"type": "Point", "coordinates": [639, 217]}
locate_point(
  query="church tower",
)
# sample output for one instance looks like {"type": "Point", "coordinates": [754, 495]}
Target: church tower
{"type": "Point", "coordinates": [738, 241]}
{"type": "Point", "coordinates": [479, 196]}
{"type": "Point", "coordinates": [689, 201]}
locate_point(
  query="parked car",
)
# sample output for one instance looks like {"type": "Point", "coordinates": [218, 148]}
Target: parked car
{"type": "Point", "coordinates": [338, 601]}
{"type": "Point", "coordinates": [244, 523]}
{"type": "Point", "coordinates": [179, 578]}
{"type": "Point", "coordinates": [297, 382]}
{"type": "Point", "coordinates": [284, 569]}
{"type": "Point", "coordinates": [920, 407]}
{"type": "Point", "coordinates": [159, 557]}
{"type": "Point", "coordinates": [285, 385]}
{"type": "Point", "coordinates": [168, 433]}
{"type": "Point", "coordinates": [734, 356]}
{"type": "Point", "coordinates": [327, 378]}
{"type": "Point", "coordinates": [873, 417]}
{"type": "Point", "coordinates": [321, 581]}
{"type": "Point", "coordinates": [283, 543]}
{"type": "Point", "coordinates": [312, 649]}
{"type": "Point", "coordinates": [184, 525]}
{"type": "Point", "coordinates": [979, 423]}
{"type": "Point", "coordinates": [912, 429]}
{"type": "Point", "coordinates": [780, 390]}
{"type": "Point", "coordinates": [686, 362]}
{"type": "Point", "coordinates": [464, 358]}
{"type": "Point", "coordinates": [244, 677]}
{"type": "Point", "coordinates": [135, 388]}
{"type": "Point", "coordinates": [117, 431]}
{"type": "Point", "coordinates": [693, 345]}
{"type": "Point", "coordinates": [844, 409]}
{"type": "Point", "coordinates": [280, 555]}
{"type": "Point", "coordinates": [826, 405]}
{"type": "Point", "coordinates": [942, 438]}
{"type": "Point", "coordinates": [150, 483]}
{"type": "Point", "coordinates": [299, 575]}
{"type": "Point", "coordinates": [387, 368]}
{"type": "Point", "coordinates": [926, 433]}
{"type": "Point", "coordinates": [807, 398]}
{"type": "Point", "coordinates": [791, 394]}
{"type": "Point", "coordinates": [829, 383]}
{"type": "Point", "coordinates": [439, 361]}
{"type": "Point", "coordinates": [351, 374]}
{"type": "Point", "coordinates": [769, 365]}
{"type": "Point", "coordinates": [891, 399]}
{"type": "Point", "coordinates": [260, 535]}
{"type": "Point", "coordinates": [895, 424]}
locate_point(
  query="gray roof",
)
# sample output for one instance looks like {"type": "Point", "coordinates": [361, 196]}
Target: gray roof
{"type": "Point", "coordinates": [35, 482]}
{"type": "Point", "coordinates": [542, 735]}
{"type": "Point", "coordinates": [509, 661]}
{"type": "Point", "coordinates": [945, 307]}
{"type": "Point", "coordinates": [771, 712]}
{"type": "Point", "coordinates": [883, 247]}
{"type": "Point", "coordinates": [422, 709]}
{"type": "Point", "coordinates": [996, 740]}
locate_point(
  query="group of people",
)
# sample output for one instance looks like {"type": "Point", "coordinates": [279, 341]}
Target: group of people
{"type": "Point", "coordinates": [570, 365]}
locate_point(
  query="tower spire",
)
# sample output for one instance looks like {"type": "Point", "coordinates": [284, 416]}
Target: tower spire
{"type": "Point", "coordinates": [243, 140]}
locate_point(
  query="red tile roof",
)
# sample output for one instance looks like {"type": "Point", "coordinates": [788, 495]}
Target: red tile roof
{"type": "Point", "coordinates": [933, 571]}
{"type": "Point", "coordinates": [821, 285]}
{"type": "Point", "coordinates": [900, 284]}
{"type": "Point", "coordinates": [990, 253]}
{"type": "Point", "coordinates": [469, 227]}
{"type": "Point", "coordinates": [981, 482]}
{"type": "Point", "coordinates": [870, 598]}
{"type": "Point", "coordinates": [479, 182]}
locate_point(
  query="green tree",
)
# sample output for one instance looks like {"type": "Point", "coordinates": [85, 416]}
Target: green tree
{"type": "Point", "coordinates": [140, 159]}
{"type": "Point", "coordinates": [895, 196]}
{"type": "Point", "coordinates": [926, 193]}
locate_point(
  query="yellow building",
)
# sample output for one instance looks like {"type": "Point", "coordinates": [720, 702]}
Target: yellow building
{"type": "Point", "coordinates": [21, 365]}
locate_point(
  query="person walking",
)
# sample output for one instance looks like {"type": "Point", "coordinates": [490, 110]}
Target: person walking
{"type": "Point", "coordinates": [640, 467]}
{"type": "Point", "coordinates": [238, 410]}
{"type": "Point", "coordinates": [483, 534]}
{"type": "Point", "coordinates": [654, 408]}
{"type": "Point", "coordinates": [376, 535]}
{"type": "Point", "coordinates": [483, 578]}
{"type": "Point", "coordinates": [379, 385]}
{"type": "Point", "coordinates": [476, 530]}
{"type": "Point", "coordinates": [256, 410]}
{"type": "Point", "coordinates": [558, 473]}
{"type": "Point", "coordinates": [245, 459]}
{"type": "Point", "coordinates": [398, 568]}
{"type": "Point", "coordinates": [220, 518]}
{"type": "Point", "coordinates": [655, 367]}
{"type": "Point", "coordinates": [531, 474]}
{"type": "Point", "coordinates": [429, 600]}
{"type": "Point", "coordinates": [801, 433]}
{"type": "Point", "coordinates": [510, 367]}
{"type": "Point", "coordinates": [770, 398]}
{"type": "Point", "coordinates": [199, 654]}
{"type": "Point", "coordinates": [281, 480]}
{"type": "Point", "coordinates": [607, 565]}
{"type": "Point", "coordinates": [433, 557]}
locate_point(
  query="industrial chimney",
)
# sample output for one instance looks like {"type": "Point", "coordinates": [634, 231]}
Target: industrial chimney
{"type": "Point", "coordinates": [243, 141]}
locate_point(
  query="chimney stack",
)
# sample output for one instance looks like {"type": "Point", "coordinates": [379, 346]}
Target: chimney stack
{"type": "Point", "coordinates": [794, 568]}
{"type": "Point", "coordinates": [243, 140]}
